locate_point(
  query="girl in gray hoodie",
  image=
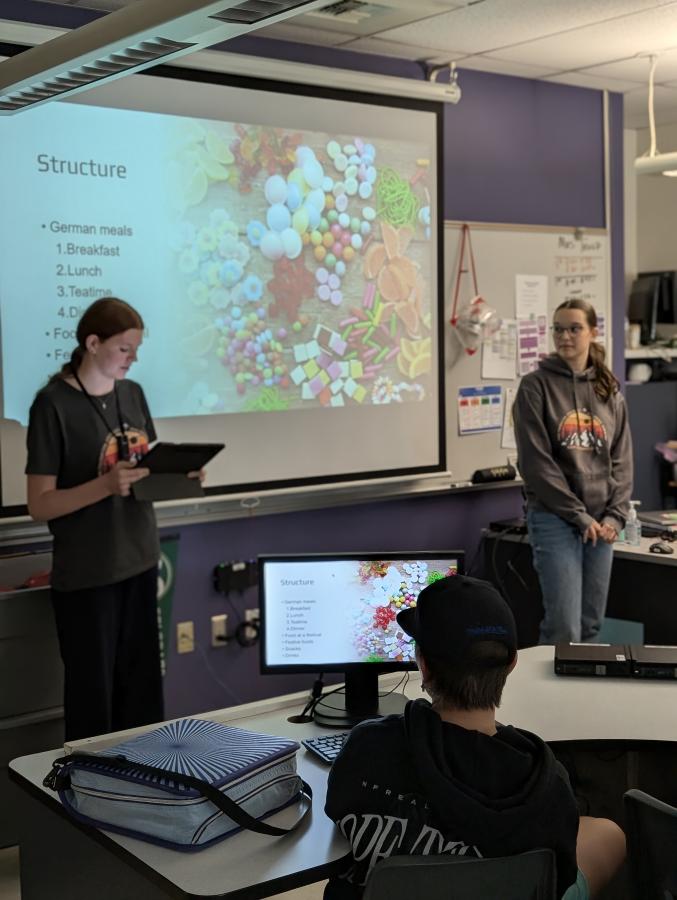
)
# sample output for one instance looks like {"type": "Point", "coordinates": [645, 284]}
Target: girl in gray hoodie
{"type": "Point", "coordinates": [575, 456]}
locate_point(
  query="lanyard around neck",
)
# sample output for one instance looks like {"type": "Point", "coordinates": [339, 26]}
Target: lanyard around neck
{"type": "Point", "coordinates": [121, 439]}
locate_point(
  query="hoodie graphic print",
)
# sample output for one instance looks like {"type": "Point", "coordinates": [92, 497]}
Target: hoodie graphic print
{"type": "Point", "coordinates": [415, 785]}
{"type": "Point", "coordinates": [581, 430]}
{"type": "Point", "coordinates": [574, 449]}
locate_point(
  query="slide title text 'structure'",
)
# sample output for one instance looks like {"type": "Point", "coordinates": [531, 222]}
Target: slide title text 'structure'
{"type": "Point", "coordinates": [88, 167]}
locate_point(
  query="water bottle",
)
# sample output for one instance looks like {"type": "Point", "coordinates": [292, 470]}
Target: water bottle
{"type": "Point", "coordinates": [633, 527]}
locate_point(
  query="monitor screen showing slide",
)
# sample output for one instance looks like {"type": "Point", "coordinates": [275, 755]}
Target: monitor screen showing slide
{"type": "Point", "coordinates": [339, 614]}
{"type": "Point", "coordinates": [282, 248]}
{"type": "Point", "coordinates": [329, 613]}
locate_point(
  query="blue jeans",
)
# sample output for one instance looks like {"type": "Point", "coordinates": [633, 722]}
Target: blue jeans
{"type": "Point", "coordinates": [574, 578]}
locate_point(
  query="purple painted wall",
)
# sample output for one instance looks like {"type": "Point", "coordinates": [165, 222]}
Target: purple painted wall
{"type": "Point", "coordinates": [517, 151]}
{"type": "Point", "coordinates": [616, 225]}
{"type": "Point", "coordinates": [524, 152]}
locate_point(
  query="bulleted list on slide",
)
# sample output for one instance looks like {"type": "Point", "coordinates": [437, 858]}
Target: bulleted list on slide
{"type": "Point", "coordinates": [86, 215]}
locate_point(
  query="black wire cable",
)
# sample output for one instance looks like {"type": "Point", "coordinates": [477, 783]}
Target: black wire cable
{"type": "Point", "coordinates": [404, 678]}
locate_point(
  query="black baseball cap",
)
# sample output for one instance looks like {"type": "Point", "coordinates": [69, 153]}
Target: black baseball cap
{"type": "Point", "coordinates": [455, 612]}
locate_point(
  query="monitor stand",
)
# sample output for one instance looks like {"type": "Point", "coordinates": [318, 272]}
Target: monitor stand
{"type": "Point", "coordinates": [358, 702]}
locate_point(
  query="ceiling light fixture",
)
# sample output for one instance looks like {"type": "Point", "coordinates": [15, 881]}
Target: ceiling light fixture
{"type": "Point", "coordinates": [653, 162]}
{"type": "Point", "coordinates": [133, 38]}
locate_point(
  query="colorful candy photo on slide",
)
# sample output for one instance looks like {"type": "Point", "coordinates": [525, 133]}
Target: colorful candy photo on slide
{"type": "Point", "coordinates": [304, 264]}
{"type": "Point", "coordinates": [387, 588]}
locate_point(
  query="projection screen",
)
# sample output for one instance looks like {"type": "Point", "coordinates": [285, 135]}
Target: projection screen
{"type": "Point", "coordinates": [282, 246]}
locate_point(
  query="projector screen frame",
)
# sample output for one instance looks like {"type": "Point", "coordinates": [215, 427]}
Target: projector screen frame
{"type": "Point", "coordinates": [436, 108]}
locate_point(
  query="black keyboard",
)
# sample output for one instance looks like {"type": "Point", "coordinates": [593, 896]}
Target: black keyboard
{"type": "Point", "coordinates": [326, 746]}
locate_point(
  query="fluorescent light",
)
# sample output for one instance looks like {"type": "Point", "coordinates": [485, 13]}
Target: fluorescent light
{"type": "Point", "coordinates": [263, 68]}
{"type": "Point", "coordinates": [129, 40]}
{"type": "Point", "coordinates": [658, 164]}
{"type": "Point", "coordinates": [655, 163]}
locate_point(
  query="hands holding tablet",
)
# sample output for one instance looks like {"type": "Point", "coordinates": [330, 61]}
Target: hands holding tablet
{"type": "Point", "coordinates": [174, 471]}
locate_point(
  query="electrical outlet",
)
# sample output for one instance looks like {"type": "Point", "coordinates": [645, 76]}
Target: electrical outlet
{"type": "Point", "coordinates": [251, 615]}
{"type": "Point", "coordinates": [219, 630]}
{"type": "Point", "coordinates": [185, 637]}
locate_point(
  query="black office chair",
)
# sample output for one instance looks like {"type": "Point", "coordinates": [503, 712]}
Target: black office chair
{"type": "Point", "coordinates": [527, 876]}
{"type": "Point", "coordinates": [651, 829]}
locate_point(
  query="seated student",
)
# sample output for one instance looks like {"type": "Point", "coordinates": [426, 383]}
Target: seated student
{"type": "Point", "coordinates": [445, 777]}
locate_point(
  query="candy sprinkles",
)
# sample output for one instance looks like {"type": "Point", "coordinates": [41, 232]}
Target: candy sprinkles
{"type": "Point", "coordinates": [304, 262]}
{"type": "Point", "coordinates": [386, 588]}
{"type": "Point", "coordinates": [396, 200]}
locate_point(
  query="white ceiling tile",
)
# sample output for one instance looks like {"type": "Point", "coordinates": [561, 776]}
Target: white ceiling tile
{"type": "Point", "coordinates": [635, 107]}
{"type": "Point", "coordinates": [374, 17]}
{"type": "Point", "coordinates": [639, 121]}
{"type": "Point", "coordinates": [637, 68]}
{"type": "Point", "coordinates": [107, 5]}
{"type": "Point", "coordinates": [501, 67]}
{"type": "Point", "coordinates": [620, 38]}
{"type": "Point", "coordinates": [483, 27]}
{"type": "Point", "coordinates": [392, 48]}
{"type": "Point", "coordinates": [287, 32]}
{"type": "Point", "coordinates": [584, 79]}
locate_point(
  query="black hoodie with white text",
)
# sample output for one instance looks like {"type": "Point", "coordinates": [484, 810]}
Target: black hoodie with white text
{"type": "Point", "coordinates": [574, 449]}
{"type": "Point", "coordinates": [416, 785]}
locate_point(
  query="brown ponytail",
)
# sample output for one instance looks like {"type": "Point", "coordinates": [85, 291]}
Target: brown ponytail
{"type": "Point", "coordinates": [605, 383]}
{"type": "Point", "coordinates": [105, 318]}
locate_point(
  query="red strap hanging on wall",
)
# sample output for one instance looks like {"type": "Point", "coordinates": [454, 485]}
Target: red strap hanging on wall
{"type": "Point", "coordinates": [460, 270]}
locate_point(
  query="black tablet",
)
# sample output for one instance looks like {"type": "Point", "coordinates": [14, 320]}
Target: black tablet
{"type": "Point", "coordinates": [178, 459]}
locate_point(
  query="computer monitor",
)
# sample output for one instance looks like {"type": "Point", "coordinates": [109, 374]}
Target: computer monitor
{"type": "Point", "coordinates": [643, 306]}
{"type": "Point", "coordinates": [336, 613]}
{"type": "Point", "coordinates": [653, 304]}
{"type": "Point", "coordinates": [666, 312]}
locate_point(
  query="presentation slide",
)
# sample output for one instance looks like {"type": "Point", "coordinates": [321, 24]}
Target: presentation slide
{"type": "Point", "coordinates": [338, 612]}
{"type": "Point", "coordinates": [281, 249]}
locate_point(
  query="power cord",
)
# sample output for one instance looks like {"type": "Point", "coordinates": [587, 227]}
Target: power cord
{"type": "Point", "coordinates": [215, 677]}
{"type": "Point", "coordinates": [315, 696]}
{"type": "Point", "coordinates": [318, 694]}
{"type": "Point", "coordinates": [403, 680]}
{"type": "Point", "coordinates": [246, 633]}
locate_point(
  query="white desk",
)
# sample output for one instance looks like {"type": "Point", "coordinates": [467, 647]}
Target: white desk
{"type": "Point", "coordinates": [621, 549]}
{"type": "Point", "coordinates": [62, 859]}
{"type": "Point", "coordinates": [642, 552]}
{"type": "Point", "coordinates": [586, 709]}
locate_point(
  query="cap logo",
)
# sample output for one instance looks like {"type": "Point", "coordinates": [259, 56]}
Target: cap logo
{"type": "Point", "coordinates": [478, 630]}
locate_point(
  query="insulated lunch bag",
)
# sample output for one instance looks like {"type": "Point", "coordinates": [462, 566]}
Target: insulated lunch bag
{"type": "Point", "coordinates": [184, 785]}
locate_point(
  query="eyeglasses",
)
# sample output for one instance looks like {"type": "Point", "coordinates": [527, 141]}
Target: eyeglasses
{"type": "Point", "coordinates": [574, 330]}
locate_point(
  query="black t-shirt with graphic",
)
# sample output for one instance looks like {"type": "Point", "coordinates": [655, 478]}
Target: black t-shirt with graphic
{"type": "Point", "coordinates": [115, 538]}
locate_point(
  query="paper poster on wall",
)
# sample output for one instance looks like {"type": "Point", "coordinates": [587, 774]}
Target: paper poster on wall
{"type": "Point", "coordinates": [601, 329]}
{"type": "Point", "coordinates": [508, 441]}
{"type": "Point", "coordinates": [531, 296]}
{"type": "Point", "coordinates": [480, 408]}
{"type": "Point", "coordinates": [499, 353]}
{"type": "Point", "coordinates": [532, 344]}
{"type": "Point", "coordinates": [580, 270]}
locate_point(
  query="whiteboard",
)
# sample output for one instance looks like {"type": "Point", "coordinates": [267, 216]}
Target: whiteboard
{"type": "Point", "coordinates": [574, 263]}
